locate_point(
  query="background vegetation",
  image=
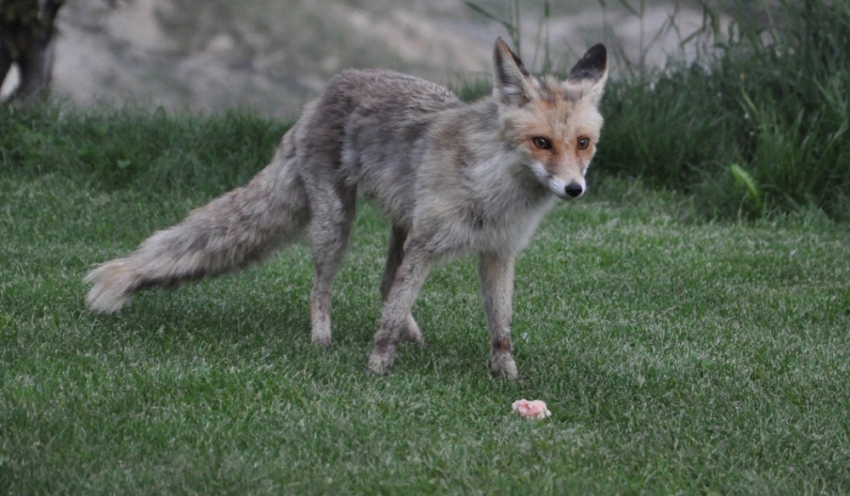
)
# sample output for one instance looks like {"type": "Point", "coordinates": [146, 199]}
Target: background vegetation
{"type": "Point", "coordinates": [755, 127]}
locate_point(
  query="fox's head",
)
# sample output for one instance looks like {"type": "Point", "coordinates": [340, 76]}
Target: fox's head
{"type": "Point", "coordinates": [554, 124]}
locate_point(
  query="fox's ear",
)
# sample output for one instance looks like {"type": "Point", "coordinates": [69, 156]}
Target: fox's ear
{"type": "Point", "coordinates": [511, 82]}
{"type": "Point", "coordinates": [588, 76]}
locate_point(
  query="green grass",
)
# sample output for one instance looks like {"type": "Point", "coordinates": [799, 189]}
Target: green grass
{"type": "Point", "coordinates": [677, 356]}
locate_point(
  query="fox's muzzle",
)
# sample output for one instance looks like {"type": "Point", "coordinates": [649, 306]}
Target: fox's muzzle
{"type": "Point", "coordinates": [559, 187]}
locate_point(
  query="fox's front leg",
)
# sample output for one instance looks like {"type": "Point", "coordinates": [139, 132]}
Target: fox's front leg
{"type": "Point", "coordinates": [497, 288]}
{"type": "Point", "coordinates": [408, 280]}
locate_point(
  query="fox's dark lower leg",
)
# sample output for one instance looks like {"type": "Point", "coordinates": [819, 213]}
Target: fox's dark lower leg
{"type": "Point", "coordinates": [407, 282]}
{"type": "Point", "coordinates": [497, 287]}
{"type": "Point", "coordinates": [410, 330]}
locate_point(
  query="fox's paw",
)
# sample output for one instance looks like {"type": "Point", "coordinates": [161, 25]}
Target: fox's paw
{"type": "Point", "coordinates": [320, 332]}
{"type": "Point", "coordinates": [411, 333]}
{"type": "Point", "coordinates": [381, 359]}
{"type": "Point", "coordinates": [503, 364]}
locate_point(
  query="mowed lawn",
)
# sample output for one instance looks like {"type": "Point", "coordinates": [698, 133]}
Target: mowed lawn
{"type": "Point", "coordinates": [676, 356]}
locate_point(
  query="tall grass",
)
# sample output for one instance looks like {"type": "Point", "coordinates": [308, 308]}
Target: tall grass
{"type": "Point", "coordinates": [757, 126]}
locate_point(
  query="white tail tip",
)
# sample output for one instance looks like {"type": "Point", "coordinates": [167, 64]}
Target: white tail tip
{"type": "Point", "coordinates": [111, 290]}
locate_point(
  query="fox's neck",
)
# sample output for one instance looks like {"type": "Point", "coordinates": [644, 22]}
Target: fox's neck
{"type": "Point", "coordinates": [497, 168]}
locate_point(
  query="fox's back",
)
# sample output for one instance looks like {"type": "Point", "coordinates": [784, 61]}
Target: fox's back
{"type": "Point", "coordinates": [371, 127]}
{"type": "Point", "coordinates": [385, 90]}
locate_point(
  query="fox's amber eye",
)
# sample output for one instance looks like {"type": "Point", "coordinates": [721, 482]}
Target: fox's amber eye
{"type": "Point", "coordinates": [583, 143]}
{"type": "Point", "coordinates": [541, 142]}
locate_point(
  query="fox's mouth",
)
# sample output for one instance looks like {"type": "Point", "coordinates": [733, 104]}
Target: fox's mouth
{"type": "Point", "coordinates": [562, 189]}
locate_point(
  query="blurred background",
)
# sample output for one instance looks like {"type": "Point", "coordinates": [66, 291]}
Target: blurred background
{"type": "Point", "coordinates": [271, 56]}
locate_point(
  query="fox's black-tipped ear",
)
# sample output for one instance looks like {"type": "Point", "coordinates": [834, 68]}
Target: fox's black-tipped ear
{"type": "Point", "coordinates": [593, 65]}
{"type": "Point", "coordinates": [511, 84]}
{"type": "Point", "coordinates": [588, 76]}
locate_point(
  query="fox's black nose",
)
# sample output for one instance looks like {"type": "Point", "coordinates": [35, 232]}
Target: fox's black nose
{"type": "Point", "coordinates": [574, 189]}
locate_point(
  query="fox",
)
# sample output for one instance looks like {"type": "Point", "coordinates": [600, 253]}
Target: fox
{"type": "Point", "coordinates": [453, 178]}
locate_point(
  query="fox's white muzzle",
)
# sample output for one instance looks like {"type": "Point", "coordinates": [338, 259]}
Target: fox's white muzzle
{"type": "Point", "coordinates": [561, 188]}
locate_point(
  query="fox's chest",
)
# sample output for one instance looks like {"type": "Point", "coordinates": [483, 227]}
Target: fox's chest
{"type": "Point", "coordinates": [486, 228]}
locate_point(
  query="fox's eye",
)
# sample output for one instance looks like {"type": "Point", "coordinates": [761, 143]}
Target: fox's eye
{"type": "Point", "coordinates": [541, 142]}
{"type": "Point", "coordinates": [583, 143]}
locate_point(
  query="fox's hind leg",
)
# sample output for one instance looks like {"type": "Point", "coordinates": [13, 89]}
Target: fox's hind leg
{"type": "Point", "coordinates": [332, 208]}
{"type": "Point", "coordinates": [410, 330]}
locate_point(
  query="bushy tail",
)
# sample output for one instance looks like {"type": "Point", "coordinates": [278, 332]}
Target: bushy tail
{"type": "Point", "coordinates": [241, 227]}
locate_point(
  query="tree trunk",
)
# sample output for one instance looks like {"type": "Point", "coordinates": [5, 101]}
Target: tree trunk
{"type": "Point", "coordinates": [26, 39]}
{"type": "Point", "coordinates": [5, 63]}
{"type": "Point", "coordinates": [36, 69]}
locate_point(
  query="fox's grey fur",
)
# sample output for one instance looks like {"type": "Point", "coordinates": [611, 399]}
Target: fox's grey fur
{"type": "Point", "coordinates": [452, 177]}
